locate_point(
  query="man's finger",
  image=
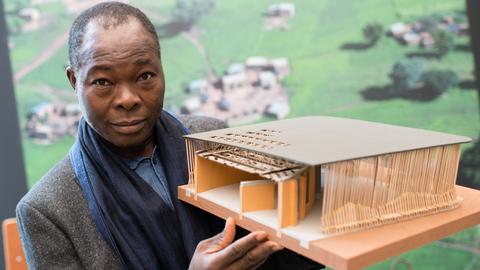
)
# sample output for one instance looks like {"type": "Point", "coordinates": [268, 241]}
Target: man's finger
{"type": "Point", "coordinates": [239, 248]}
{"type": "Point", "coordinates": [256, 256]}
{"type": "Point", "coordinates": [223, 239]}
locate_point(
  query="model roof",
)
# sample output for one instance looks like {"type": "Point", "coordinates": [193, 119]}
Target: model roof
{"type": "Point", "coordinates": [315, 140]}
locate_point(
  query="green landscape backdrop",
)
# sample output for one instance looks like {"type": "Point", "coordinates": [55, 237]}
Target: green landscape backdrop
{"type": "Point", "coordinates": [335, 71]}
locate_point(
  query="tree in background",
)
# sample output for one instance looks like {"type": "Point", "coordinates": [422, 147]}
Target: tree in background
{"type": "Point", "coordinates": [373, 32]}
{"type": "Point", "coordinates": [444, 42]}
{"type": "Point", "coordinates": [14, 24]}
{"type": "Point", "coordinates": [469, 172]}
{"type": "Point", "coordinates": [429, 24]}
{"type": "Point", "coordinates": [439, 81]}
{"type": "Point", "coordinates": [406, 74]}
{"type": "Point", "coordinates": [13, 20]}
{"type": "Point", "coordinates": [189, 12]}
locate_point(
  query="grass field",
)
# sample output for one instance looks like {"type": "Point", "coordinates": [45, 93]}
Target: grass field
{"type": "Point", "coordinates": [325, 79]}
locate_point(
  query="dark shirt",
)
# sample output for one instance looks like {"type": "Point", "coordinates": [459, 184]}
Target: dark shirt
{"type": "Point", "coordinates": [151, 170]}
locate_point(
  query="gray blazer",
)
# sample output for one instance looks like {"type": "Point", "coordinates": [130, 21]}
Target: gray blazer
{"type": "Point", "coordinates": [54, 221]}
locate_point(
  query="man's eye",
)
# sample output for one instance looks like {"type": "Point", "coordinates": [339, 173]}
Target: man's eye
{"type": "Point", "coordinates": [145, 76]}
{"type": "Point", "coordinates": [101, 82]}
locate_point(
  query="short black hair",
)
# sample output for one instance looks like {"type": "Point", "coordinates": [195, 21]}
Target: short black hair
{"type": "Point", "coordinates": [108, 14]}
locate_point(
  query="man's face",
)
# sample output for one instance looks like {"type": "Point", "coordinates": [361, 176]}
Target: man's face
{"type": "Point", "coordinates": [119, 82]}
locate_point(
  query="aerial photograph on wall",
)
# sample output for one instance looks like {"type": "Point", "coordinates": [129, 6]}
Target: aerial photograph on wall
{"type": "Point", "coordinates": [402, 62]}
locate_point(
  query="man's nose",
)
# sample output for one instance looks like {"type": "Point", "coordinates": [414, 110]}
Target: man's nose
{"type": "Point", "coordinates": [126, 97]}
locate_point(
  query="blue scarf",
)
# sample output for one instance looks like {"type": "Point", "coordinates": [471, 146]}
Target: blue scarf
{"type": "Point", "coordinates": [143, 232]}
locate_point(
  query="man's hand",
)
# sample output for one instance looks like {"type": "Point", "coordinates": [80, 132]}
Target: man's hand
{"type": "Point", "coordinates": [219, 252]}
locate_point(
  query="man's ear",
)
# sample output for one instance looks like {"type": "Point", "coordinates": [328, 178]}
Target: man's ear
{"type": "Point", "coordinates": [71, 77]}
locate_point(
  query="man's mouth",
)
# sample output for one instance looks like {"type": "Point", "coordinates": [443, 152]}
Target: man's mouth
{"type": "Point", "coordinates": [128, 126]}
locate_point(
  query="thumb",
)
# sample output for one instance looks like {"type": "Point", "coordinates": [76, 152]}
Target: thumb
{"type": "Point", "coordinates": [223, 239]}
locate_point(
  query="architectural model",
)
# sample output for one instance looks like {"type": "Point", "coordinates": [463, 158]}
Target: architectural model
{"type": "Point", "coordinates": [313, 177]}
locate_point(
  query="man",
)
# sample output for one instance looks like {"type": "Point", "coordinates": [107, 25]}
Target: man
{"type": "Point", "coordinates": [112, 202]}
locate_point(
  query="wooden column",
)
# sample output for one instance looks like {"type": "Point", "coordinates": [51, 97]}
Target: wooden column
{"type": "Point", "coordinates": [287, 203]}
